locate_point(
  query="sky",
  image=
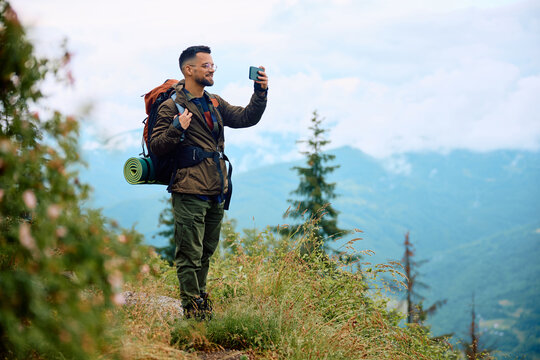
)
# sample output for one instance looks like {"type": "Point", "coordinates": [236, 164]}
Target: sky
{"type": "Point", "coordinates": [387, 76]}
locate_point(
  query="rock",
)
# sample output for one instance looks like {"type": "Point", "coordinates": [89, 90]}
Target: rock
{"type": "Point", "coordinates": [167, 307]}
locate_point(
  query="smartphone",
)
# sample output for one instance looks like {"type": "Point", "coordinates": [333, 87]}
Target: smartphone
{"type": "Point", "coordinates": [253, 72]}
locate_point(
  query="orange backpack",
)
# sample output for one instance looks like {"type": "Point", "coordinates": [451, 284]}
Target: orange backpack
{"type": "Point", "coordinates": [152, 100]}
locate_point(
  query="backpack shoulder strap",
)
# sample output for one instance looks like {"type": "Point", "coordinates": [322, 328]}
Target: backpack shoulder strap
{"type": "Point", "coordinates": [178, 106]}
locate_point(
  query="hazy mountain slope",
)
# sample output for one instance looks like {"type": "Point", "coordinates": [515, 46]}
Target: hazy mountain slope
{"type": "Point", "coordinates": [473, 215]}
{"type": "Point", "coordinates": [503, 271]}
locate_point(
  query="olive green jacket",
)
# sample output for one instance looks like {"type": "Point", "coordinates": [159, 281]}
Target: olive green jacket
{"type": "Point", "coordinates": [203, 178]}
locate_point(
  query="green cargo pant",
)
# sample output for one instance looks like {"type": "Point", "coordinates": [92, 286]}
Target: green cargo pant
{"type": "Point", "coordinates": [197, 224]}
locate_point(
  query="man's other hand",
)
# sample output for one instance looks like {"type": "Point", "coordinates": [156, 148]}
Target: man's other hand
{"type": "Point", "coordinates": [182, 121]}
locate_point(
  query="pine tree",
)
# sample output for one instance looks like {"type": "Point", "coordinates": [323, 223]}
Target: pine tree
{"type": "Point", "coordinates": [166, 219]}
{"type": "Point", "coordinates": [314, 193]}
{"type": "Point", "coordinates": [415, 302]}
{"type": "Point", "coordinates": [472, 349]}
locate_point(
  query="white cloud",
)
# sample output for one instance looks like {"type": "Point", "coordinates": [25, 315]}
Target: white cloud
{"type": "Point", "coordinates": [388, 76]}
{"type": "Point", "coordinates": [397, 165]}
{"type": "Point", "coordinates": [481, 106]}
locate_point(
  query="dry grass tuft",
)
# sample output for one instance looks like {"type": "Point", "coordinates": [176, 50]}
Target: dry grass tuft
{"type": "Point", "coordinates": [273, 301]}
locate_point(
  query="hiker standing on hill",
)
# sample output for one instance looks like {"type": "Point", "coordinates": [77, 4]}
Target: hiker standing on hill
{"type": "Point", "coordinates": [199, 192]}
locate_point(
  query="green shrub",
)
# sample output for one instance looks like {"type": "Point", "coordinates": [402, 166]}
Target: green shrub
{"type": "Point", "coordinates": [61, 265]}
{"type": "Point", "coordinates": [245, 327]}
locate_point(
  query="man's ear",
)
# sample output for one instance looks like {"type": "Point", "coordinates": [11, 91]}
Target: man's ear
{"type": "Point", "coordinates": [187, 71]}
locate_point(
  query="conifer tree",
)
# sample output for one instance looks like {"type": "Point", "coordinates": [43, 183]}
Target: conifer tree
{"type": "Point", "coordinates": [166, 219]}
{"type": "Point", "coordinates": [314, 193]}
{"type": "Point", "coordinates": [472, 348]}
{"type": "Point", "coordinates": [415, 302]}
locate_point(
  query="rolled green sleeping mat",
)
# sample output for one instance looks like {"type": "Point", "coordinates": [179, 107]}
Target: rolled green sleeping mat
{"type": "Point", "coordinates": [139, 171]}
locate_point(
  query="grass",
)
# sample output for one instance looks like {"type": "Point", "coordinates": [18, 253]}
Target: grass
{"type": "Point", "coordinates": [274, 302]}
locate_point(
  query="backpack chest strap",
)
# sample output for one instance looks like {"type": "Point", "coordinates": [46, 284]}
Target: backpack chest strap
{"type": "Point", "coordinates": [187, 156]}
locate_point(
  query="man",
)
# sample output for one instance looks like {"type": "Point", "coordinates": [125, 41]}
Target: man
{"type": "Point", "coordinates": [199, 191]}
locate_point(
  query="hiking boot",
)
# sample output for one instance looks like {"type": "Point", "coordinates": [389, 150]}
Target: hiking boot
{"type": "Point", "coordinates": [194, 310]}
{"type": "Point", "coordinates": [207, 306]}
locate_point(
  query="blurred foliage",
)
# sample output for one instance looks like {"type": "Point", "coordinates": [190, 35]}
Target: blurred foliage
{"type": "Point", "coordinates": [62, 265]}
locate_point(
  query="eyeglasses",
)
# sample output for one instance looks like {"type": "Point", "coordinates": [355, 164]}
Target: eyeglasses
{"type": "Point", "coordinates": [206, 66]}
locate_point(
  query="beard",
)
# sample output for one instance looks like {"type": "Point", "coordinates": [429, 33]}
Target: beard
{"type": "Point", "coordinates": [205, 81]}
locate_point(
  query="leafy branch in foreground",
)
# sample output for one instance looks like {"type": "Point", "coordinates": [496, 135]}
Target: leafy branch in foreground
{"type": "Point", "coordinates": [62, 266]}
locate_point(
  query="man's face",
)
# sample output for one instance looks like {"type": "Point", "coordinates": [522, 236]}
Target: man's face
{"type": "Point", "coordinates": [202, 69]}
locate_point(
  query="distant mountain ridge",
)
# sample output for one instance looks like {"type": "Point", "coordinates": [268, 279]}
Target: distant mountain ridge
{"type": "Point", "coordinates": [474, 216]}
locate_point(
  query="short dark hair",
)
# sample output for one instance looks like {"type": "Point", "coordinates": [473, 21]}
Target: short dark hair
{"type": "Point", "coordinates": [191, 52]}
